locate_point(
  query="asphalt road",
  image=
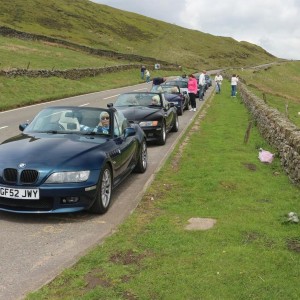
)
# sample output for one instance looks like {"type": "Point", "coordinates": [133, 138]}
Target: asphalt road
{"type": "Point", "coordinates": [36, 248]}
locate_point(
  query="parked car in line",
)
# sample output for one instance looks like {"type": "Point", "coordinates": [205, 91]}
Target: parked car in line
{"type": "Point", "coordinates": [154, 114]}
{"type": "Point", "coordinates": [183, 85]}
{"type": "Point", "coordinates": [69, 159]}
{"type": "Point", "coordinates": [172, 94]}
{"type": "Point", "coordinates": [208, 81]}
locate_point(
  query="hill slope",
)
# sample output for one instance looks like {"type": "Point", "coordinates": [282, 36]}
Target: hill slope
{"type": "Point", "coordinates": [100, 26]}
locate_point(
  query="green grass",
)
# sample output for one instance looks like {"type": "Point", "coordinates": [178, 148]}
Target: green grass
{"type": "Point", "coordinates": [251, 253]}
{"type": "Point", "coordinates": [22, 91]}
{"type": "Point", "coordinates": [16, 53]}
{"type": "Point", "coordinates": [279, 85]}
{"type": "Point", "coordinates": [99, 26]}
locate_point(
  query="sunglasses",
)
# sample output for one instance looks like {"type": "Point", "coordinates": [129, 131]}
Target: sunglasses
{"type": "Point", "coordinates": [105, 118]}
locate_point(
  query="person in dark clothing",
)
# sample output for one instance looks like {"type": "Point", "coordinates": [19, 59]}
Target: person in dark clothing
{"type": "Point", "coordinates": [143, 69]}
{"type": "Point", "coordinates": [158, 80]}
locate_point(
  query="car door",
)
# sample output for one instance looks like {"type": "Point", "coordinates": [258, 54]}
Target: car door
{"type": "Point", "coordinates": [168, 113]}
{"type": "Point", "coordinates": [126, 145]}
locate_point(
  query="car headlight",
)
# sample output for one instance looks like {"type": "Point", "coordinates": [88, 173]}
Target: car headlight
{"type": "Point", "coordinates": [148, 123]}
{"type": "Point", "coordinates": [63, 177]}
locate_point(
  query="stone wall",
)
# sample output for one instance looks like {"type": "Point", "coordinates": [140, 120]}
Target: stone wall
{"type": "Point", "coordinates": [277, 130]}
{"type": "Point", "coordinates": [69, 74]}
{"type": "Point", "coordinates": [74, 73]}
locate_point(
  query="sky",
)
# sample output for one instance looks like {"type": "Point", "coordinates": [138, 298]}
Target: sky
{"type": "Point", "coordinates": [272, 24]}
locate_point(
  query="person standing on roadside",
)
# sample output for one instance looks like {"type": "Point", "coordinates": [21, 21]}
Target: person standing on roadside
{"type": "Point", "coordinates": [234, 81]}
{"type": "Point", "coordinates": [158, 80]}
{"type": "Point", "coordinates": [147, 74]}
{"type": "Point", "coordinates": [218, 80]}
{"type": "Point", "coordinates": [202, 85]}
{"type": "Point", "coordinates": [143, 69]}
{"type": "Point", "coordinates": [192, 88]}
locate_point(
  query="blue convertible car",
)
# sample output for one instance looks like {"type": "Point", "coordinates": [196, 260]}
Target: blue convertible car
{"type": "Point", "coordinates": [69, 159]}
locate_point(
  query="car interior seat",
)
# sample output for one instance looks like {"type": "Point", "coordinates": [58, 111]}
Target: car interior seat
{"type": "Point", "coordinates": [69, 122]}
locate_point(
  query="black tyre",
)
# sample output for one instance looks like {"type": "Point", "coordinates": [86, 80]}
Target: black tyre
{"type": "Point", "coordinates": [175, 127]}
{"type": "Point", "coordinates": [141, 165]}
{"type": "Point", "coordinates": [163, 135]}
{"type": "Point", "coordinates": [180, 111]}
{"type": "Point", "coordinates": [104, 190]}
{"type": "Point", "coordinates": [187, 104]}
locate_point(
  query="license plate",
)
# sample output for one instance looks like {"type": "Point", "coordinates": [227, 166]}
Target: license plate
{"type": "Point", "coordinates": [19, 193]}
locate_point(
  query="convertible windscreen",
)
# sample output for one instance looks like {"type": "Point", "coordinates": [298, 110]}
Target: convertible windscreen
{"type": "Point", "coordinates": [138, 99]}
{"type": "Point", "coordinates": [78, 120]}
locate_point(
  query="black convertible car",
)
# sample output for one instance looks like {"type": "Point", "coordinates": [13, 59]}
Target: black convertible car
{"type": "Point", "coordinates": [69, 159]}
{"type": "Point", "coordinates": [182, 83]}
{"type": "Point", "coordinates": [151, 111]}
{"type": "Point", "coordinates": [173, 94]}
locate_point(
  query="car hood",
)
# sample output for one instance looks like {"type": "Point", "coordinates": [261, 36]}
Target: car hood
{"type": "Point", "coordinates": [52, 151]}
{"type": "Point", "coordinates": [140, 113]}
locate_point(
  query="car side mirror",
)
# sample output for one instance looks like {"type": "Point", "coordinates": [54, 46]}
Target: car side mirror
{"type": "Point", "coordinates": [129, 131]}
{"type": "Point", "coordinates": [23, 126]}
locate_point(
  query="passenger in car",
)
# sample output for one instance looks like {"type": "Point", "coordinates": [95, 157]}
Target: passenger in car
{"type": "Point", "coordinates": [155, 100]}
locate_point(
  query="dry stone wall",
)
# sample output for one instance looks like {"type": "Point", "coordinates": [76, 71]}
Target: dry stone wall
{"type": "Point", "coordinates": [278, 131]}
{"type": "Point", "coordinates": [68, 74]}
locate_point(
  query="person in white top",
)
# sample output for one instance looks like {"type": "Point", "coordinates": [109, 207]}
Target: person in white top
{"type": "Point", "coordinates": [202, 85]}
{"type": "Point", "coordinates": [234, 81]}
{"type": "Point", "coordinates": [218, 80]}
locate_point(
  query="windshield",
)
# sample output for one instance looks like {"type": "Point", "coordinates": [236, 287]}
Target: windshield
{"type": "Point", "coordinates": [170, 89]}
{"type": "Point", "coordinates": [180, 83]}
{"type": "Point", "coordinates": [72, 120]}
{"type": "Point", "coordinates": [138, 99]}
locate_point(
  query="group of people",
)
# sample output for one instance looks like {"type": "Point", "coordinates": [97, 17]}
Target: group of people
{"type": "Point", "coordinates": [233, 81]}
{"type": "Point", "coordinates": [193, 84]}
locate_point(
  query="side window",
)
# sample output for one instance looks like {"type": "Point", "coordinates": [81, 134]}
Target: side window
{"type": "Point", "coordinates": [117, 131]}
{"type": "Point", "coordinates": [120, 123]}
{"type": "Point", "coordinates": [164, 101]}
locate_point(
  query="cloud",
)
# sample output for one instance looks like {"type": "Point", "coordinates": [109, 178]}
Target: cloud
{"type": "Point", "coordinates": [271, 24]}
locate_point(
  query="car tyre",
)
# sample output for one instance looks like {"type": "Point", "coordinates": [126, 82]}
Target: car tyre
{"type": "Point", "coordinates": [141, 165]}
{"type": "Point", "coordinates": [175, 127]}
{"type": "Point", "coordinates": [163, 135]}
{"type": "Point", "coordinates": [104, 191]}
{"type": "Point", "coordinates": [180, 111]}
{"type": "Point", "coordinates": [187, 104]}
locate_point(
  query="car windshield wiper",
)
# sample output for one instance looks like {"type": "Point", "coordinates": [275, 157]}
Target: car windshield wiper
{"type": "Point", "coordinates": [49, 131]}
{"type": "Point", "coordinates": [87, 132]}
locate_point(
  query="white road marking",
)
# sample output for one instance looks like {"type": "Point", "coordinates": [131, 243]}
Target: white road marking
{"type": "Point", "coordinates": [3, 127]}
{"type": "Point", "coordinates": [140, 89]}
{"type": "Point", "coordinates": [111, 97]}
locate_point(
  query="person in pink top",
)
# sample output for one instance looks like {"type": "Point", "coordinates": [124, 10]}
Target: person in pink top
{"type": "Point", "coordinates": [193, 89]}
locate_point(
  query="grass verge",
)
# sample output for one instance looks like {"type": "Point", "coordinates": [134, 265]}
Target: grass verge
{"type": "Point", "coordinates": [22, 91]}
{"type": "Point", "coordinates": [250, 253]}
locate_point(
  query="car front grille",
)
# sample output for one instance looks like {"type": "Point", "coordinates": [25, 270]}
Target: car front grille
{"type": "Point", "coordinates": [11, 175]}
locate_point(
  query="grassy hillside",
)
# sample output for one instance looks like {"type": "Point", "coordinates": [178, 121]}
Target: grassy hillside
{"type": "Point", "coordinates": [103, 27]}
{"type": "Point", "coordinates": [278, 85]}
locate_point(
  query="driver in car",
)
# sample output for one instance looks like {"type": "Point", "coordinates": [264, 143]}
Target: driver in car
{"type": "Point", "coordinates": [101, 127]}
